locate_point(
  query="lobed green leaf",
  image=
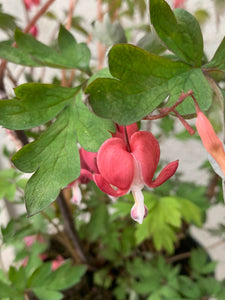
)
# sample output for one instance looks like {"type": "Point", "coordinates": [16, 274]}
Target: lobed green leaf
{"type": "Point", "coordinates": [142, 82]}
{"type": "Point", "coordinates": [179, 30]}
{"type": "Point", "coordinates": [54, 157]}
{"type": "Point", "coordinates": [71, 55]}
{"type": "Point", "coordinates": [39, 104]}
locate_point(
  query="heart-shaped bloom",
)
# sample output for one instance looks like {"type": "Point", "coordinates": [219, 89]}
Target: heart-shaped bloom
{"type": "Point", "coordinates": [127, 162]}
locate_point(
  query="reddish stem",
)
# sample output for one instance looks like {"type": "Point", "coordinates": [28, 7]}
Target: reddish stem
{"type": "Point", "coordinates": [126, 139]}
{"type": "Point", "coordinates": [166, 110]}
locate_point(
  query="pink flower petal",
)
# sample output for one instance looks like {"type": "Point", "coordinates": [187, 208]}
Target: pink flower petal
{"type": "Point", "coordinates": [131, 129]}
{"type": "Point", "coordinates": [145, 148]}
{"type": "Point", "coordinates": [116, 164]}
{"type": "Point", "coordinates": [210, 140]}
{"type": "Point", "coordinates": [107, 188]}
{"type": "Point", "coordinates": [88, 160]}
{"type": "Point", "coordinates": [165, 174]}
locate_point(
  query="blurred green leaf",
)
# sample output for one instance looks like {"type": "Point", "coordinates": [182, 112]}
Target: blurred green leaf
{"type": "Point", "coordinates": [40, 275]}
{"type": "Point", "coordinates": [16, 55]}
{"type": "Point", "coordinates": [65, 276]}
{"type": "Point", "coordinates": [98, 222]}
{"type": "Point", "coordinates": [8, 184]}
{"type": "Point", "coordinates": [8, 291]}
{"type": "Point", "coordinates": [189, 288]}
{"type": "Point", "coordinates": [18, 278]}
{"type": "Point", "coordinates": [151, 43]}
{"type": "Point", "coordinates": [7, 22]}
{"type": "Point", "coordinates": [109, 33]}
{"type": "Point", "coordinates": [47, 294]}
{"type": "Point", "coordinates": [200, 263]}
{"type": "Point", "coordinates": [190, 212]}
{"type": "Point", "coordinates": [71, 55]}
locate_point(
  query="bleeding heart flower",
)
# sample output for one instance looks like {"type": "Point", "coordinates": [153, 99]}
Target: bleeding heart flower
{"type": "Point", "coordinates": [128, 163]}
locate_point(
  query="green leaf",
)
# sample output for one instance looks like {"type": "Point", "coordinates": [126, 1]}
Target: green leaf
{"type": "Point", "coordinates": [71, 54]}
{"type": "Point", "coordinates": [16, 55]}
{"type": "Point", "coordinates": [201, 263]}
{"type": "Point", "coordinates": [189, 288]}
{"type": "Point", "coordinates": [143, 81]}
{"type": "Point", "coordinates": [8, 184]}
{"type": "Point", "coordinates": [76, 54]}
{"type": "Point", "coordinates": [46, 294]}
{"type": "Point", "coordinates": [39, 103]}
{"type": "Point", "coordinates": [91, 130]}
{"type": "Point", "coordinates": [34, 261]}
{"type": "Point", "coordinates": [54, 157]}
{"type": "Point", "coordinates": [151, 43]}
{"type": "Point", "coordinates": [191, 213]}
{"type": "Point", "coordinates": [39, 276]}
{"type": "Point", "coordinates": [65, 276]}
{"type": "Point", "coordinates": [98, 223]}
{"type": "Point", "coordinates": [179, 30]}
{"type": "Point", "coordinates": [218, 60]}
{"type": "Point", "coordinates": [7, 22]}
{"type": "Point", "coordinates": [18, 278]}
{"type": "Point", "coordinates": [163, 218]}
{"type": "Point", "coordinates": [109, 33]}
{"type": "Point", "coordinates": [8, 291]}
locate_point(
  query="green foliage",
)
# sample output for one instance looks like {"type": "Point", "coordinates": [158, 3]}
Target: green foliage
{"type": "Point", "coordinates": [10, 181]}
{"type": "Point", "coordinates": [145, 80]}
{"type": "Point", "coordinates": [7, 22]}
{"type": "Point", "coordinates": [179, 31]}
{"type": "Point", "coordinates": [164, 218]}
{"type": "Point", "coordinates": [36, 104]}
{"type": "Point", "coordinates": [201, 264]}
{"type": "Point", "coordinates": [31, 52]}
{"type": "Point", "coordinates": [109, 33]}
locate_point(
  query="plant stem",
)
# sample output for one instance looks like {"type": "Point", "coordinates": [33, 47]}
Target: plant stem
{"type": "Point", "coordinates": [70, 228]}
{"type": "Point", "coordinates": [38, 15]}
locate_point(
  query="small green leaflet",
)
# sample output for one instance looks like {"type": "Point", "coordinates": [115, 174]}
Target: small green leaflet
{"type": "Point", "coordinates": [38, 104]}
{"type": "Point", "coordinates": [30, 52]}
{"type": "Point", "coordinates": [178, 30]}
{"type": "Point", "coordinates": [141, 82]}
